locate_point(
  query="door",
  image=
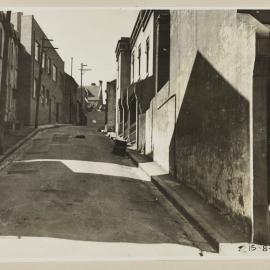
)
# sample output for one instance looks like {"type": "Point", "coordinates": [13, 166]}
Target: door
{"type": "Point", "coordinates": [57, 112]}
{"type": "Point", "coordinates": [50, 110]}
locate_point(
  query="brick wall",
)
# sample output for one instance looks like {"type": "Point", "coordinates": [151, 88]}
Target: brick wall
{"type": "Point", "coordinates": [70, 100]}
{"type": "Point", "coordinates": [51, 106]}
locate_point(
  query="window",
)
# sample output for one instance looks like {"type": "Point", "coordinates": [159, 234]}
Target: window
{"type": "Point", "coordinates": [49, 65]}
{"type": "Point", "coordinates": [61, 80]}
{"type": "Point", "coordinates": [42, 95]}
{"type": "Point", "coordinates": [16, 61]}
{"type": "Point", "coordinates": [37, 50]}
{"type": "Point", "coordinates": [53, 103]}
{"type": "Point", "coordinates": [54, 73]}
{"type": "Point", "coordinates": [147, 55]}
{"type": "Point", "coordinates": [35, 89]}
{"type": "Point", "coordinates": [47, 96]}
{"type": "Point", "coordinates": [139, 61]}
{"type": "Point", "coordinates": [132, 63]}
{"type": "Point", "coordinates": [12, 54]}
{"type": "Point", "coordinates": [133, 111]}
{"type": "Point", "coordinates": [118, 75]}
{"type": "Point", "coordinates": [43, 60]}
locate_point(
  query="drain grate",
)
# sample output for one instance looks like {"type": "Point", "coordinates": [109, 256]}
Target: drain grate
{"type": "Point", "coordinates": [22, 171]}
{"type": "Point", "coordinates": [80, 136]}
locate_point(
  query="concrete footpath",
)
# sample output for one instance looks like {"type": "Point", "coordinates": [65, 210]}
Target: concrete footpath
{"type": "Point", "coordinates": [16, 141]}
{"type": "Point", "coordinates": [214, 226]}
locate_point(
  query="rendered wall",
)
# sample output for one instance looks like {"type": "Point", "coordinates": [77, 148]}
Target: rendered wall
{"type": "Point", "coordinates": [163, 126]}
{"type": "Point", "coordinates": [141, 132]}
{"type": "Point", "coordinates": [149, 129]}
{"type": "Point", "coordinates": [212, 57]}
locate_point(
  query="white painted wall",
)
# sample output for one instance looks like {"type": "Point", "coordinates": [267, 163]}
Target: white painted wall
{"type": "Point", "coordinates": [227, 40]}
{"type": "Point", "coordinates": [148, 32]}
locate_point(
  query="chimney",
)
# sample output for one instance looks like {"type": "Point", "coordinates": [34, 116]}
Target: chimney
{"type": "Point", "coordinates": [100, 84]}
{"type": "Point", "coordinates": [101, 94]}
{"type": "Point", "coordinates": [16, 20]}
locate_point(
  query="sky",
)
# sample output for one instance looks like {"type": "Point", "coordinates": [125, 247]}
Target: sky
{"type": "Point", "coordinates": [88, 35]}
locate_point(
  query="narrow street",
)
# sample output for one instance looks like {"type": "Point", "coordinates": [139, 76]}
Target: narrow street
{"type": "Point", "coordinates": [131, 133]}
{"type": "Point", "coordinates": [75, 188]}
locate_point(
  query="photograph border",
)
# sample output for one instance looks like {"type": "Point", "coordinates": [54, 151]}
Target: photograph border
{"type": "Point", "coordinates": [209, 264]}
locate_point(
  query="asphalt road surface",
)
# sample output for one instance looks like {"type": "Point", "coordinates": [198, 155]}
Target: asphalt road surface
{"type": "Point", "coordinates": [73, 187]}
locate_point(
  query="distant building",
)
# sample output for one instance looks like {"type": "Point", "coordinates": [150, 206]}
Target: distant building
{"type": "Point", "coordinates": [52, 84]}
{"type": "Point", "coordinates": [70, 100]}
{"type": "Point", "coordinates": [94, 96]}
{"type": "Point", "coordinates": [94, 106]}
{"type": "Point", "coordinates": [110, 106]}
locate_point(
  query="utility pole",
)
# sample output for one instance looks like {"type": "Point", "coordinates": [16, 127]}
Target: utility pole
{"type": "Point", "coordinates": [71, 66]}
{"type": "Point", "coordinates": [70, 94]}
{"type": "Point", "coordinates": [41, 51]}
{"type": "Point", "coordinates": [40, 58]}
{"type": "Point", "coordinates": [106, 109]}
{"type": "Point", "coordinates": [82, 69]}
{"type": "Point", "coordinates": [3, 92]}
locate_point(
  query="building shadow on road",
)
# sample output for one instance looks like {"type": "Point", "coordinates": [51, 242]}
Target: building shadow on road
{"type": "Point", "coordinates": [88, 207]}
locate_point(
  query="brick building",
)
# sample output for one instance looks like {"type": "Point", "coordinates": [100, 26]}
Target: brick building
{"type": "Point", "coordinates": [70, 100]}
{"type": "Point", "coordinates": [11, 117]}
{"type": "Point", "coordinates": [11, 79]}
{"type": "Point", "coordinates": [52, 83]}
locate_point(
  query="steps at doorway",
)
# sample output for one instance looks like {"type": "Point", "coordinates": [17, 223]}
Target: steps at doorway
{"type": "Point", "coordinates": [148, 166]}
